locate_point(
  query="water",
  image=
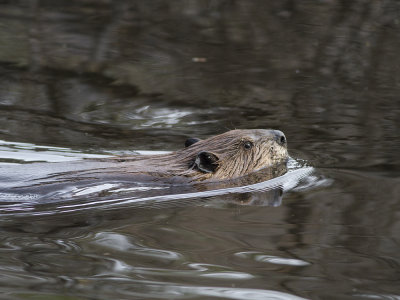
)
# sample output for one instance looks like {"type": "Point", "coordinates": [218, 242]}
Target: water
{"type": "Point", "coordinates": [84, 79]}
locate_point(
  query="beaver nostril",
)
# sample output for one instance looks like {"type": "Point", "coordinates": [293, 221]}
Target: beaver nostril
{"type": "Point", "coordinates": [283, 139]}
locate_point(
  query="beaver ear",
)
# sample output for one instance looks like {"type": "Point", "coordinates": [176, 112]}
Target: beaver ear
{"type": "Point", "coordinates": [206, 162]}
{"type": "Point", "coordinates": [191, 141]}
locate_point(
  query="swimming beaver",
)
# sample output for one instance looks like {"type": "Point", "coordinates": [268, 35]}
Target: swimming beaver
{"type": "Point", "coordinates": [226, 156]}
{"type": "Point", "coordinates": [217, 162]}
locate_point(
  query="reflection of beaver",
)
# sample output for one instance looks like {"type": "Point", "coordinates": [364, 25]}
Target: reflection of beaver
{"type": "Point", "coordinates": [226, 156]}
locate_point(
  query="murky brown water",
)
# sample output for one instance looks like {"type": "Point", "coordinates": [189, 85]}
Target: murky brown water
{"type": "Point", "coordinates": [79, 78]}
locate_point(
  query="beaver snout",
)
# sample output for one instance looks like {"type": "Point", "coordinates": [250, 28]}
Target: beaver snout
{"type": "Point", "coordinates": [280, 137]}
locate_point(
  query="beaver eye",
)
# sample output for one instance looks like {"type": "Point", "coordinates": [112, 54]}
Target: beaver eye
{"type": "Point", "coordinates": [248, 145]}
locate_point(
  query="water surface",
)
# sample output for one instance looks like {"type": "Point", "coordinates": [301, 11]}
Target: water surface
{"type": "Point", "coordinates": [82, 79]}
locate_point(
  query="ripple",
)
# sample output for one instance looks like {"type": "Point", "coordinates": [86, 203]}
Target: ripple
{"type": "Point", "coordinates": [114, 241]}
{"type": "Point", "coordinates": [272, 259]}
{"type": "Point", "coordinates": [122, 243]}
{"type": "Point", "coordinates": [26, 152]}
{"type": "Point", "coordinates": [209, 271]}
{"type": "Point", "coordinates": [160, 290]}
{"type": "Point", "coordinates": [10, 197]}
{"type": "Point", "coordinates": [218, 272]}
{"type": "Point", "coordinates": [286, 182]}
{"type": "Point", "coordinates": [157, 253]}
{"type": "Point", "coordinates": [139, 189]}
{"type": "Point", "coordinates": [228, 275]}
{"type": "Point", "coordinates": [161, 117]}
{"type": "Point", "coordinates": [378, 296]}
{"type": "Point", "coordinates": [295, 177]}
{"type": "Point", "coordinates": [94, 189]}
{"type": "Point", "coordinates": [239, 293]}
{"type": "Point", "coordinates": [169, 117]}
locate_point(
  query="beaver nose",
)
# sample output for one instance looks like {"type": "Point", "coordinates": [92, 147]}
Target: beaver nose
{"type": "Point", "coordinates": [279, 137]}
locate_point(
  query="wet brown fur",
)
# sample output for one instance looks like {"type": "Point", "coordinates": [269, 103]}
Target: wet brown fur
{"type": "Point", "coordinates": [234, 160]}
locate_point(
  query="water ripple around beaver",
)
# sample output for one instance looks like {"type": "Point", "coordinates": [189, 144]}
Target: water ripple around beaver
{"type": "Point", "coordinates": [108, 194]}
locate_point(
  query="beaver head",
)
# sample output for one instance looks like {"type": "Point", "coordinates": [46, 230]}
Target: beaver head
{"type": "Point", "coordinates": [230, 155]}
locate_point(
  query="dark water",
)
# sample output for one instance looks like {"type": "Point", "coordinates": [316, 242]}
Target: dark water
{"type": "Point", "coordinates": [79, 78]}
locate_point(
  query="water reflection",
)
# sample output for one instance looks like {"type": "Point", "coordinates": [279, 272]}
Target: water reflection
{"type": "Point", "coordinates": [106, 76]}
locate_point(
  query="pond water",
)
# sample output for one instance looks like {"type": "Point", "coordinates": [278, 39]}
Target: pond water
{"type": "Point", "coordinates": [86, 78]}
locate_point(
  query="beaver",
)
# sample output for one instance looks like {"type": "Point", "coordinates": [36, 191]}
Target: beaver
{"type": "Point", "coordinates": [236, 157]}
{"type": "Point", "coordinates": [230, 155]}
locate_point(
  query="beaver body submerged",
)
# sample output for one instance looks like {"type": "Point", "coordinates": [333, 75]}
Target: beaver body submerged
{"type": "Point", "coordinates": [230, 155]}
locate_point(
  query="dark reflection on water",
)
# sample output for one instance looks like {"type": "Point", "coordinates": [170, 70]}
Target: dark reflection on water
{"type": "Point", "coordinates": [116, 76]}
